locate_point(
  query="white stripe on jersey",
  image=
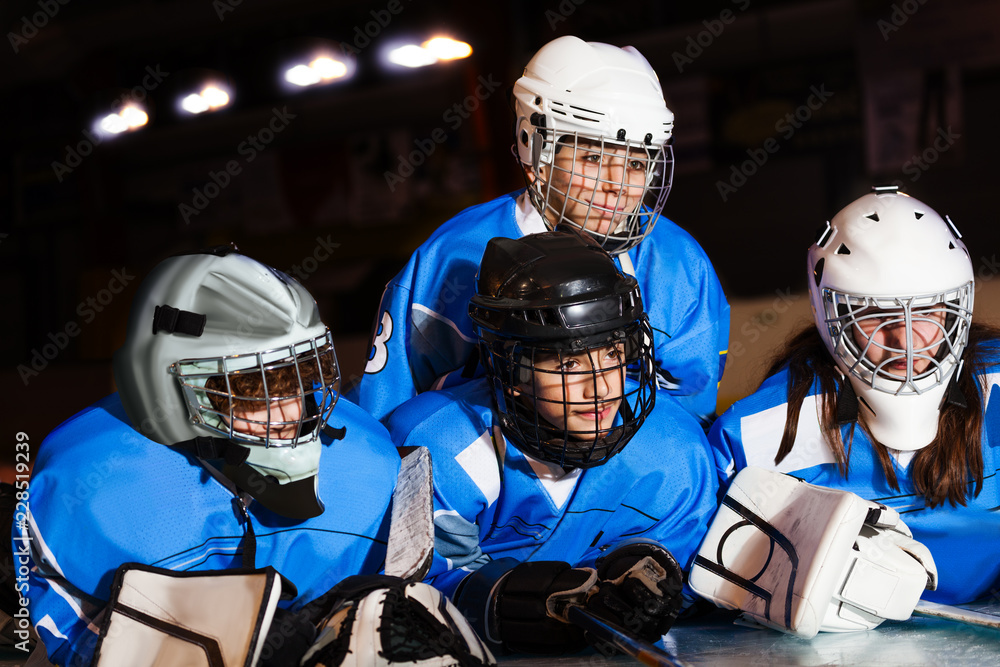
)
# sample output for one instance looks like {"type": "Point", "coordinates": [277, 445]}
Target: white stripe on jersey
{"type": "Point", "coordinates": [988, 381]}
{"type": "Point", "coordinates": [40, 551]}
{"type": "Point", "coordinates": [762, 436]}
{"type": "Point", "coordinates": [441, 318]}
{"type": "Point", "coordinates": [50, 625]}
{"type": "Point", "coordinates": [557, 482]}
{"type": "Point", "coordinates": [528, 219]}
{"type": "Point", "coordinates": [479, 460]}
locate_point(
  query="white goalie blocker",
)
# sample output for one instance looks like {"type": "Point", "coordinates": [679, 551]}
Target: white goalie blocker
{"type": "Point", "coordinates": [160, 617]}
{"type": "Point", "coordinates": [802, 559]}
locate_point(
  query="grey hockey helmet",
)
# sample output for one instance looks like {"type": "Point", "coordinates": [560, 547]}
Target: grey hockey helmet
{"type": "Point", "coordinates": [601, 108]}
{"type": "Point", "coordinates": [558, 325]}
{"type": "Point", "coordinates": [228, 358]}
{"type": "Point", "coordinates": [891, 286]}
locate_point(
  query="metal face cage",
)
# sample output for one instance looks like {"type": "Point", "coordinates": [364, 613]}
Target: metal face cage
{"type": "Point", "coordinates": [613, 189]}
{"type": "Point", "coordinates": [253, 398]}
{"type": "Point", "coordinates": [859, 325]}
{"type": "Point", "coordinates": [574, 405]}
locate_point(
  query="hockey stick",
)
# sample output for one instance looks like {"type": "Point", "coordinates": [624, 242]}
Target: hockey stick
{"type": "Point", "coordinates": [410, 546]}
{"type": "Point", "coordinates": [641, 650]}
{"type": "Point", "coordinates": [967, 616]}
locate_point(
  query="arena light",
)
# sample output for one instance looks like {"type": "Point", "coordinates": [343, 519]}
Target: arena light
{"type": "Point", "coordinates": [429, 52]}
{"type": "Point", "coordinates": [211, 98]}
{"type": "Point", "coordinates": [131, 117]}
{"type": "Point", "coordinates": [321, 69]}
{"type": "Point", "coordinates": [446, 48]}
{"type": "Point", "coordinates": [412, 55]}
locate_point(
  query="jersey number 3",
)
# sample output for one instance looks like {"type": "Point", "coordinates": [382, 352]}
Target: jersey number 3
{"type": "Point", "coordinates": [379, 354]}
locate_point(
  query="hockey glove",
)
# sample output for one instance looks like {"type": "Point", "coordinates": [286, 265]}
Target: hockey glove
{"type": "Point", "coordinates": [529, 607]}
{"type": "Point", "coordinates": [639, 589]}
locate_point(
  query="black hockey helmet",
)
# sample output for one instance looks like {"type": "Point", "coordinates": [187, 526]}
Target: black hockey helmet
{"type": "Point", "coordinates": [558, 325]}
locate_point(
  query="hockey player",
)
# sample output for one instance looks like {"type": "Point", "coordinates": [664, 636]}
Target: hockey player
{"type": "Point", "coordinates": [555, 462]}
{"type": "Point", "coordinates": [221, 450]}
{"type": "Point", "coordinates": [888, 396]}
{"type": "Point", "coordinates": [605, 167]}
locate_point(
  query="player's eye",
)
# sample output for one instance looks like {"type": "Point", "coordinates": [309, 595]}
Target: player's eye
{"type": "Point", "coordinates": [614, 354]}
{"type": "Point", "coordinates": [569, 365]}
{"type": "Point", "coordinates": [637, 165]}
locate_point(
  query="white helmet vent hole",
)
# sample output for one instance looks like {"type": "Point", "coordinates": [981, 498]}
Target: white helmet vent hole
{"type": "Point", "coordinates": [918, 214]}
{"type": "Point", "coordinates": [951, 246]}
{"type": "Point", "coordinates": [818, 270]}
{"type": "Point", "coordinates": [843, 250]}
{"type": "Point", "coordinates": [872, 216]}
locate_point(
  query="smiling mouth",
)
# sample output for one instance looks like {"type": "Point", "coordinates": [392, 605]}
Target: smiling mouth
{"type": "Point", "coordinates": [600, 415]}
{"type": "Point", "coordinates": [606, 212]}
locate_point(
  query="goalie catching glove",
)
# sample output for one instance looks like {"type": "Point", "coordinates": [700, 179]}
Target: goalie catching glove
{"type": "Point", "coordinates": [803, 559]}
{"type": "Point", "coordinates": [385, 621]}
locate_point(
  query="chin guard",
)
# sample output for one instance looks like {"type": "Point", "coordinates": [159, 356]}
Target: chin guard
{"type": "Point", "coordinates": [802, 559]}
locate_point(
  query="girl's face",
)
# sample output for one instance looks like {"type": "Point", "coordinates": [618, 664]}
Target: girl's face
{"type": "Point", "coordinates": [881, 334]}
{"type": "Point", "coordinates": [595, 189]}
{"type": "Point", "coordinates": [580, 393]}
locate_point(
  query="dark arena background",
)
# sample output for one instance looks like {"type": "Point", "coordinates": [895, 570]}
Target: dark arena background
{"type": "Point", "coordinates": [785, 112]}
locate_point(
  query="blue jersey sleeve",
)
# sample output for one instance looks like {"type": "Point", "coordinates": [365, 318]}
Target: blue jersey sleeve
{"type": "Point", "coordinates": [64, 617]}
{"type": "Point", "coordinates": [689, 315]}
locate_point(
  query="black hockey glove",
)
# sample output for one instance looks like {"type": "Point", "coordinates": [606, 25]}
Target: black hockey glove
{"type": "Point", "coordinates": [639, 589]}
{"type": "Point", "coordinates": [529, 596]}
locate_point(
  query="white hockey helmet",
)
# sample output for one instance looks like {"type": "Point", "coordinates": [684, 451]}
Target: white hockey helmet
{"type": "Point", "coordinates": [889, 263]}
{"type": "Point", "coordinates": [575, 93]}
{"type": "Point", "coordinates": [218, 345]}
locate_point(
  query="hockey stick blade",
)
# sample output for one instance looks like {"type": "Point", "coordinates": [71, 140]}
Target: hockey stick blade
{"type": "Point", "coordinates": [641, 650]}
{"type": "Point", "coordinates": [950, 613]}
{"type": "Point", "coordinates": [411, 524]}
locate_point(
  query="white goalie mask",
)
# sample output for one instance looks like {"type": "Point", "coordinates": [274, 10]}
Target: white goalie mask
{"type": "Point", "coordinates": [592, 132]}
{"type": "Point", "coordinates": [891, 286]}
{"type": "Point", "coordinates": [222, 350]}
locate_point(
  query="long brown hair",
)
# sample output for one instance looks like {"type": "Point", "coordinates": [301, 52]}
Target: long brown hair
{"type": "Point", "coordinates": [946, 470]}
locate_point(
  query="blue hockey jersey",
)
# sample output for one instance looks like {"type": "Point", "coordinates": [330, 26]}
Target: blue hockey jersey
{"type": "Point", "coordinates": [491, 501]}
{"type": "Point", "coordinates": [423, 338]}
{"type": "Point", "coordinates": [102, 495]}
{"type": "Point", "coordinates": [965, 541]}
